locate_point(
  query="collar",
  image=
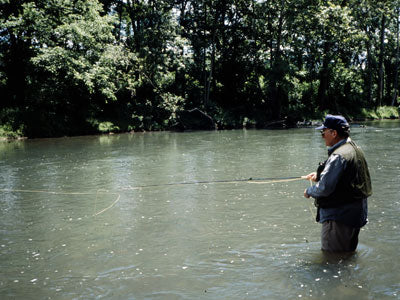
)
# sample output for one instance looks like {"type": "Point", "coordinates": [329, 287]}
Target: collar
{"type": "Point", "coordinates": [337, 145]}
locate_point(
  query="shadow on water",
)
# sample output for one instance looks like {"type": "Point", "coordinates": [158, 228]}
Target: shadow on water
{"type": "Point", "coordinates": [327, 257]}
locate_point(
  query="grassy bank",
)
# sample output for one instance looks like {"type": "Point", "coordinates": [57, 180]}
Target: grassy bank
{"type": "Point", "coordinates": [382, 112]}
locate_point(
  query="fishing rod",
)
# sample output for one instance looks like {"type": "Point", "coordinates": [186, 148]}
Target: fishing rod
{"type": "Point", "coordinates": [100, 191]}
{"type": "Point", "coordinates": [251, 179]}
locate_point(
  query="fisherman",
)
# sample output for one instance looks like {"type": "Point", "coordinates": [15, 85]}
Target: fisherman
{"type": "Point", "coordinates": [342, 188]}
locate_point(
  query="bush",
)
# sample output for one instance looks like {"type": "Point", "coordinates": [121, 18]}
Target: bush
{"type": "Point", "coordinates": [6, 132]}
{"type": "Point", "coordinates": [382, 112]}
{"type": "Point", "coordinates": [10, 127]}
{"type": "Point", "coordinates": [103, 127]}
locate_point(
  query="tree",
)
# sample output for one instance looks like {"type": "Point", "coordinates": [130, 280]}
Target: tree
{"type": "Point", "coordinates": [66, 66]}
{"type": "Point", "coordinates": [397, 57]}
{"type": "Point", "coordinates": [73, 64]}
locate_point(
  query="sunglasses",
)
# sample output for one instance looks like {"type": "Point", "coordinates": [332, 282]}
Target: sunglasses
{"type": "Point", "coordinates": [323, 131]}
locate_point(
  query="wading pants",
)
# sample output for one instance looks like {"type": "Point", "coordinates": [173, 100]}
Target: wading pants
{"type": "Point", "coordinates": [337, 237]}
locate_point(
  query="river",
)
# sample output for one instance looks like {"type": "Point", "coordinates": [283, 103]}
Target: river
{"type": "Point", "coordinates": [75, 224]}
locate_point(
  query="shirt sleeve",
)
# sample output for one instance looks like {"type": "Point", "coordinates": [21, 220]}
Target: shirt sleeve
{"type": "Point", "coordinates": [330, 176]}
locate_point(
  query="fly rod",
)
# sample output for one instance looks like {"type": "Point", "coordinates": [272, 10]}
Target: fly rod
{"type": "Point", "coordinates": [250, 180]}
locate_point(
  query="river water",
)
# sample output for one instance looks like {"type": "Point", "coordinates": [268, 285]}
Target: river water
{"type": "Point", "coordinates": [74, 225]}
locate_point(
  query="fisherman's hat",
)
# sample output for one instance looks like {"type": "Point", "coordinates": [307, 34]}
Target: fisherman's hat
{"type": "Point", "coordinates": [338, 123]}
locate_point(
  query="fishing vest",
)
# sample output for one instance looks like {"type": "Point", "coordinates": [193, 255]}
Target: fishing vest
{"type": "Point", "coordinates": [355, 182]}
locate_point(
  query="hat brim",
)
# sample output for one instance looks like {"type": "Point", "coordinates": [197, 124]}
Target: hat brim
{"type": "Point", "coordinates": [321, 127]}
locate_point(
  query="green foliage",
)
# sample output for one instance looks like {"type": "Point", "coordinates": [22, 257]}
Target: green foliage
{"type": "Point", "coordinates": [301, 97]}
{"type": "Point", "coordinates": [84, 66]}
{"type": "Point", "coordinates": [83, 53]}
{"type": "Point", "coordinates": [7, 132]}
{"type": "Point", "coordinates": [10, 125]}
{"type": "Point", "coordinates": [382, 112]}
{"type": "Point", "coordinates": [107, 127]}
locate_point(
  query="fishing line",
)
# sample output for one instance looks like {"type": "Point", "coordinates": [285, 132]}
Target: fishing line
{"type": "Point", "coordinates": [98, 192]}
{"type": "Point", "coordinates": [309, 204]}
{"type": "Point", "coordinates": [108, 207]}
{"type": "Point", "coordinates": [265, 180]}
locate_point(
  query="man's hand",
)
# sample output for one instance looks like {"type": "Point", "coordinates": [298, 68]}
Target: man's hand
{"type": "Point", "coordinates": [312, 176]}
{"type": "Point", "coordinates": [305, 194]}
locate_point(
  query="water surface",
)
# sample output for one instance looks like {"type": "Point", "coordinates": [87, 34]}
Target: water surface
{"type": "Point", "coordinates": [204, 241]}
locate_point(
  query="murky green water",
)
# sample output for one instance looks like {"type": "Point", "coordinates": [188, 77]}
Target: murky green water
{"type": "Point", "coordinates": [205, 241]}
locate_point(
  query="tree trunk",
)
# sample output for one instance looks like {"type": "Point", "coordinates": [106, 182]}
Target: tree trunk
{"type": "Point", "coordinates": [136, 23]}
{"type": "Point", "coordinates": [15, 69]}
{"type": "Point", "coordinates": [369, 71]}
{"type": "Point", "coordinates": [396, 67]}
{"type": "Point", "coordinates": [182, 13]}
{"type": "Point", "coordinates": [276, 78]}
{"type": "Point", "coordinates": [324, 78]}
{"type": "Point", "coordinates": [205, 100]}
{"type": "Point", "coordinates": [120, 8]}
{"type": "Point", "coordinates": [380, 65]}
{"type": "Point", "coordinates": [210, 76]}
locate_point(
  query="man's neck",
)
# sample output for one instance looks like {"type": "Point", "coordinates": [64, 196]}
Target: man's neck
{"type": "Point", "coordinates": [338, 143]}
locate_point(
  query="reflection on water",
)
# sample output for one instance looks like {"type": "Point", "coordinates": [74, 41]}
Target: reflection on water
{"type": "Point", "coordinates": [228, 240]}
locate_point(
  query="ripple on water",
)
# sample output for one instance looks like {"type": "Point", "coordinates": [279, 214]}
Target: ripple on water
{"type": "Point", "coordinates": [238, 241]}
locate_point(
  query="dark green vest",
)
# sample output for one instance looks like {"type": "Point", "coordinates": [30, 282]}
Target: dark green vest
{"type": "Point", "coordinates": [355, 182]}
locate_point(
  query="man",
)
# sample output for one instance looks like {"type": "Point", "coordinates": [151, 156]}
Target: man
{"type": "Point", "coordinates": [342, 188]}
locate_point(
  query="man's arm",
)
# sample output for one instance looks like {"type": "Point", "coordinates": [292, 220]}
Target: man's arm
{"type": "Point", "coordinates": [330, 176]}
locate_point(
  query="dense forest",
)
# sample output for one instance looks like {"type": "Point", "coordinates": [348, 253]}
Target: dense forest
{"type": "Point", "coordinates": [71, 67]}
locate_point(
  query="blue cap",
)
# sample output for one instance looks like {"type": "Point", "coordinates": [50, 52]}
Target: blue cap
{"type": "Point", "coordinates": [338, 123]}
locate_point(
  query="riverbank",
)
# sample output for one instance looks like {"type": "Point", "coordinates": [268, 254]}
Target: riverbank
{"type": "Point", "coordinates": [381, 113]}
{"type": "Point", "coordinates": [7, 131]}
